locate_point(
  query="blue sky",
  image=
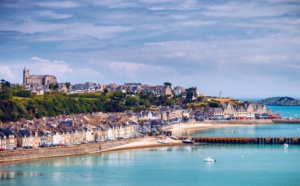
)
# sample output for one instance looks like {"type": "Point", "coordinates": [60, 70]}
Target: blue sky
{"type": "Point", "coordinates": [244, 48]}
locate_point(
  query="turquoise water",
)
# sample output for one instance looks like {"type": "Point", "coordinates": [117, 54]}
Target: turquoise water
{"type": "Point", "coordinates": [286, 111]}
{"type": "Point", "coordinates": [267, 130]}
{"type": "Point", "coordinates": [183, 165]}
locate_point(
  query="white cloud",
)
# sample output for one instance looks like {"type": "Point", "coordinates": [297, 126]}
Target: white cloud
{"type": "Point", "coordinates": [127, 67]}
{"type": "Point", "coordinates": [53, 15]}
{"type": "Point", "coordinates": [248, 10]}
{"type": "Point", "coordinates": [100, 32]}
{"type": "Point", "coordinates": [7, 73]}
{"type": "Point", "coordinates": [65, 31]}
{"type": "Point", "coordinates": [46, 66]}
{"type": "Point", "coordinates": [206, 43]}
{"type": "Point", "coordinates": [31, 27]}
{"type": "Point", "coordinates": [59, 4]}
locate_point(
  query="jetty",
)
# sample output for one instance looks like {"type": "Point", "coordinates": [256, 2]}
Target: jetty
{"type": "Point", "coordinates": [244, 140]}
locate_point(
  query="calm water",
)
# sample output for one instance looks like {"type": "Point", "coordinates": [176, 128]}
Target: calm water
{"type": "Point", "coordinates": [236, 165]}
{"type": "Point", "coordinates": [286, 111]}
{"type": "Point", "coordinates": [184, 165]}
{"type": "Point", "coordinates": [268, 130]}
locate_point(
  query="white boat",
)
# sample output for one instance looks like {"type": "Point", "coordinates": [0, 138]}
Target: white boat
{"type": "Point", "coordinates": [209, 159]}
{"type": "Point", "coordinates": [163, 141]}
{"type": "Point", "coordinates": [174, 138]}
{"type": "Point", "coordinates": [189, 140]}
{"type": "Point", "coordinates": [285, 145]}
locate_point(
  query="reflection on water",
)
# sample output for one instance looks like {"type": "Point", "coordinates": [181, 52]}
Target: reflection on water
{"type": "Point", "coordinates": [14, 174]}
{"type": "Point", "coordinates": [181, 165]}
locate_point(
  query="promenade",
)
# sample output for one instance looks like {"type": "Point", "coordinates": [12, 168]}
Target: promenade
{"type": "Point", "coordinates": [148, 142]}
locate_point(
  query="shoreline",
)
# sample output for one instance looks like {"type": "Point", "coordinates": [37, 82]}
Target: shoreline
{"type": "Point", "coordinates": [129, 144]}
{"type": "Point", "coordinates": [151, 141]}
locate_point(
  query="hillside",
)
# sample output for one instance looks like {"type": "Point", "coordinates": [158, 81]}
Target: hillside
{"type": "Point", "coordinates": [281, 101]}
{"type": "Point", "coordinates": [18, 103]}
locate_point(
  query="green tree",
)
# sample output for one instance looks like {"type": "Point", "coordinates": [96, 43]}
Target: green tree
{"type": "Point", "coordinates": [55, 87]}
{"type": "Point", "coordinates": [168, 84]}
{"type": "Point", "coordinates": [51, 86]}
{"type": "Point", "coordinates": [67, 84]}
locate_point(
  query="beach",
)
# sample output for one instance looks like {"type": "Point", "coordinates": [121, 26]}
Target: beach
{"type": "Point", "coordinates": [125, 144]}
{"type": "Point", "coordinates": [151, 141]}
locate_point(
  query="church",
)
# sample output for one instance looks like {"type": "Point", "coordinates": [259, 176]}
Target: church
{"type": "Point", "coordinates": [37, 79]}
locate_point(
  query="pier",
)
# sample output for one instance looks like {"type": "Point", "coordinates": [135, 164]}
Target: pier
{"type": "Point", "coordinates": [245, 140]}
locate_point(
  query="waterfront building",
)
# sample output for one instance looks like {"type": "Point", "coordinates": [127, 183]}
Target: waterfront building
{"type": "Point", "coordinates": [25, 138]}
{"type": "Point", "coordinates": [228, 110]}
{"type": "Point", "coordinates": [8, 139]}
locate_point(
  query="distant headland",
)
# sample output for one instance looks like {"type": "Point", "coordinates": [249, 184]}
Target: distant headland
{"type": "Point", "coordinates": [281, 101]}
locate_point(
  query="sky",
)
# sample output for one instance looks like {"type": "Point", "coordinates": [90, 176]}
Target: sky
{"type": "Point", "coordinates": [246, 49]}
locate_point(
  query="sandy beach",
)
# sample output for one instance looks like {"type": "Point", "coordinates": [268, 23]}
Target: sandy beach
{"type": "Point", "coordinates": [151, 141]}
{"type": "Point", "coordinates": [126, 144]}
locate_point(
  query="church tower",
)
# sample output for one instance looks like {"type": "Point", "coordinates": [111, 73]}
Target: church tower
{"type": "Point", "coordinates": [25, 75]}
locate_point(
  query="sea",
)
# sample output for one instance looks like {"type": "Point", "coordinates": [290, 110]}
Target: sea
{"type": "Point", "coordinates": [237, 164]}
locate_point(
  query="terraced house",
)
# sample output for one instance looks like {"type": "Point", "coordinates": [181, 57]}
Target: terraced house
{"type": "Point", "coordinates": [228, 111]}
{"type": "Point", "coordinates": [7, 139]}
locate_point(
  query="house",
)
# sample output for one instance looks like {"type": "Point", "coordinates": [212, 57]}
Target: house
{"type": "Point", "coordinates": [110, 132]}
{"type": "Point", "coordinates": [62, 88]}
{"type": "Point", "coordinates": [228, 110]}
{"type": "Point", "coordinates": [25, 138]}
{"type": "Point", "coordinates": [103, 131]}
{"type": "Point", "coordinates": [74, 136]}
{"type": "Point", "coordinates": [241, 112]}
{"type": "Point", "coordinates": [122, 130]}
{"type": "Point", "coordinates": [178, 90]}
{"type": "Point", "coordinates": [185, 114]}
{"type": "Point", "coordinates": [213, 112]}
{"type": "Point", "coordinates": [57, 137]}
{"type": "Point", "coordinates": [259, 109]}
{"type": "Point", "coordinates": [68, 123]}
{"type": "Point", "coordinates": [250, 111]}
{"type": "Point", "coordinates": [42, 138]}
{"type": "Point", "coordinates": [89, 135]}
{"type": "Point", "coordinates": [8, 139]}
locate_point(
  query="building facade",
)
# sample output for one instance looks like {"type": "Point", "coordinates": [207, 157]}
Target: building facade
{"type": "Point", "coordinates": [38, 79]}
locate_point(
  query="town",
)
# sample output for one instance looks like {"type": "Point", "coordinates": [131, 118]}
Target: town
{"type": "Point", "coordinates": [79, 129]}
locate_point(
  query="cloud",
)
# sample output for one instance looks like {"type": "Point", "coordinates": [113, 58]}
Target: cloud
{"type": "Point", "coordinates": [59, 4]}
{"type": "Point", "coordinates": [127, 67]}
{"type": "Point", "coordinates": [53, 15]}
{"type": "Point", "coordinates": [208, 44]}
{"type": "Point", "coordinates": [248, 10]}
{"type": "Point", "coordinates": [46, 66]}
{"type": "Point", "coordinates": [31, 26]}
{"type": "Point", "coordinates": [100, 32]}
{"type": "Point", "coordinates": [6, 73]}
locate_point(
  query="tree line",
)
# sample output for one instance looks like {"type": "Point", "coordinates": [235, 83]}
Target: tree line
{"type": "Point", "coordinates": [16, 103]}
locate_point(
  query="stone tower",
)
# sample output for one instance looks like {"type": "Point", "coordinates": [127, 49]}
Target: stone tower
{"type": "Point", "coordinates": [25, 75]}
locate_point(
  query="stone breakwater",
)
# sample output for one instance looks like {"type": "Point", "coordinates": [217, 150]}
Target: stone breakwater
{"type": "Point", "coordinates": [248, 122]}
{"type": "Point", "coordinates": [26, 154]}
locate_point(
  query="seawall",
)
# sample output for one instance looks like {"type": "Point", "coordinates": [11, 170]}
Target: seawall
{"type": "Point", "coordinates": [26, 154]}
{"type": "Point", "coordinates": [265, 121]}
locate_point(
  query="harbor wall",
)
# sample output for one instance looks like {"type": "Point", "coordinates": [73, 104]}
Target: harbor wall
{"type": "Point", "coordinates": [26, 154]}
{"type": "Point", "coordinates": [265, 121]}
{"type": "Point", "coordinates": [245, 140]}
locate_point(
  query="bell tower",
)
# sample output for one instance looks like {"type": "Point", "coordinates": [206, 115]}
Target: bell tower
{"type": "Point", "coordinates": [25, 75]}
